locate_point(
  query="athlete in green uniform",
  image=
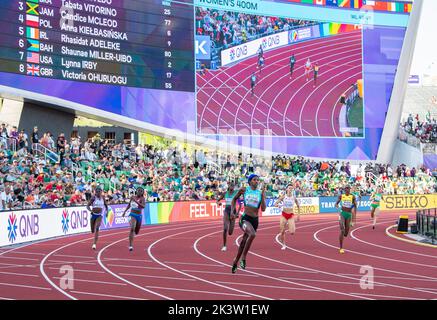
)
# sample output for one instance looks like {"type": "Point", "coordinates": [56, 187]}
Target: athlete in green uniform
{"type": "Point", "coordinates": [228, 216]}
{"type": "Point", "coordinates": [375, 198]}
{"type": "Point", "coordinates": [348, 203]}
{"type": "Point", "coordinates": [356, 192]}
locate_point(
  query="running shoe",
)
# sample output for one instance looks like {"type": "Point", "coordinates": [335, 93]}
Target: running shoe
{"type": "Point", "coordinates": [284, 247]}
{"type": "Point", "coordinates": [94, 247]}
{"type": "Point", "coordinates": [131, 248]}
{"type": "Point", "coordinates": [224, 248]}
{"type": "Point", "coordinates": [234, 268]}
{"type": "Point", "coordinates": [373, 227]}
{"type": "Point", "coordinates": [341, 251]}
{"type": "Point", "coordinates": [243, 264]}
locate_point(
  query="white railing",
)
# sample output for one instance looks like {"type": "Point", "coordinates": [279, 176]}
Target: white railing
{"type": "Point", "coordinates": [372, 176]}
{"type": "Point", "coordinates": [426, 148]}
{"type": "Point", "coordinates": [212, 165]}
{"type": "Point", "coordinates": [40, 150]}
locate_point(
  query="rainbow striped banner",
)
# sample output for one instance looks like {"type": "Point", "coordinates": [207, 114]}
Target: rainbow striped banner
{"type": "Point", "coordinates": [389, 6]}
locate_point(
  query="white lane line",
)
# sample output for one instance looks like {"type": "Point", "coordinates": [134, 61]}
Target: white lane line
{"type": "Point", "coordinates": [16, 265]}
{"type": "Point", "coordinates": [95, 281]}
{"type": "Point", "coordinates": [369, 255]}
{"type": "Point", "coordinates": [41, 265]}
{"type": "Point", "coordinates": [73, 256]}
{"type": "Point", "coordinates": [432, 289]}
{"type": "Point", "coordinates": [383, 296]}
{"type": "Point", "coordinates": [280, 53]}
{"type": "Point", "coordinates": [387, 248]}
{"type": "Point", "coordinates": [149, 251]}
{"type": "Point", "coordinates": [79, 270]}
{"type": "Point", "coordinates": [24, 286]}
{"type": "Point", "coordinates": [199, 291]}
{"type": "Point", "coordinates": [195, 264]}
{"type": "Point", "coordinates": [286, 270]}
{"type": "Point", "coordinates": [270, 277]}
{"type": "Point", "coordinates": [31, 253]}
{"type": "Point", "coordinates": [20, 274]}
{"type": "Point", "coordinates": [107, 295]}
{"type": "Point", "coordinates": [225, 273]}
{"type": "Point", "coordinates": [157, 277]}
{"type": "Point", "coordinates": [19, 258]}
{"type": "Point", "coordinates": [387, 277]}
{"type": "Point", "coordinates": [71, 262]}
{"type": "Point", "coordinates": [121, 259]}
{"type": "Point", "coordinates": [3, 298]}
{"type": "Point", "coordinates": [99, 258]}
{"type": "Point", "coordinates": [338, 261]}
{"type": "Point", "coordinates": [138, 267]}
{"type": "Point", "coordinates": [329, 281]}
{"type": "Point", "coordinates": [355, 75]}
{"type": "Point", "coordinates": [266, 286]}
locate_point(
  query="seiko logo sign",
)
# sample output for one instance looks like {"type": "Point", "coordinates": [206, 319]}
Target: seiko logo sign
{"type": "Point", "coordinates": [406, 202]}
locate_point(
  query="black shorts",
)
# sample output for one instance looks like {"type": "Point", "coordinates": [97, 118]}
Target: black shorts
{"type": "Point", "coordinates": [315, 75]}
{"type": "Point", "coordinates": [253, 221]}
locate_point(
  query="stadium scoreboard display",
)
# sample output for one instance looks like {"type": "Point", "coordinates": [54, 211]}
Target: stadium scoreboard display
{"type": "Point", "coordinates": [163, 64]}
{"type": "Point", "coordinates": [147, 44]}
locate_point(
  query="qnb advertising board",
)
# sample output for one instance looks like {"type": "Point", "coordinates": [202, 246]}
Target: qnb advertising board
{"type": "Point", "coordinates": [303, 77]}
{"type": "Point", "coordinates": [31, 225]}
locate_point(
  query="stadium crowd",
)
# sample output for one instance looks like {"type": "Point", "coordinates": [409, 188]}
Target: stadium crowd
{"type": "Point", "coordinates": [228, 29]}
{"type": "Point", "coordinates": [29, 179]}
{"type": "Point", "coordinates": [424, 130]}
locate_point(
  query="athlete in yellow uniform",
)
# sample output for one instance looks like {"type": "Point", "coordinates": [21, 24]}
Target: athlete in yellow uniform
{"type": "Point", "coordinates": [348, 203]}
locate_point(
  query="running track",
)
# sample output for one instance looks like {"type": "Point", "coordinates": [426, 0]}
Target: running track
{"type": "Point", "coordinates": [281, 106]}
{"type": "Point", "coordinates": [178, 261]}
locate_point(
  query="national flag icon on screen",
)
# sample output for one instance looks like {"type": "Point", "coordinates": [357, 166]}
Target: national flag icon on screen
{"type": "Point", "coordinates": [32, 33]}
{"type": "Point", "coordinates": [33, 45]}
{"type": "Point", "coordinates": [34, 1]}
{"type": "Point", "coordinates": [32, 70]}
{"type": "Point", "coordinates": [32, 21]}
{"type": "Point", "coordinates": [33, 57]}
{"type": "Point", "coordinates": [31, 8]}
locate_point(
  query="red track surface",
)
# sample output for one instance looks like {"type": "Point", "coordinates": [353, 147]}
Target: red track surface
{"type": "Point", "coordinates": [184, 261]}
{"type": "Point", "coordinates": [281, 106]}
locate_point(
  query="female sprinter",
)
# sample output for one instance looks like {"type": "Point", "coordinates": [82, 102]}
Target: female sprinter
{"type": "Point", "coordinates": [97, 202]}
{"type": "Point", "coordinates": [254, 199]}
{"type": "Point", "coordinates": [348, 203]}
{"type": "Point", "coordinates": [289, 200]}
{"type": "Point", "coordinates": [356, 192]}
{"type": "Point", "coordinates": [308, 67]}
{"type": "Point", "coordinates": [228, 216]}
{"type": "Point", "coordinates": [375, 198]}
{"type": "Point", "coordinates": [136, 205]}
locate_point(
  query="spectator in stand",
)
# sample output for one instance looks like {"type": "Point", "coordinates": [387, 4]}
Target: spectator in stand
{"type": "Point", "coordinates": [35, 138]}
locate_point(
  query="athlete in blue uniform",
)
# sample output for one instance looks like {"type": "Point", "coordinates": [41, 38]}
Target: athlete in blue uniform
{"type": "Point", "coordinates": [228, 216]}
{"type": "Point", "coordinates": [136, 205]}
{"type": "Point", "coordinates": [254, 199]}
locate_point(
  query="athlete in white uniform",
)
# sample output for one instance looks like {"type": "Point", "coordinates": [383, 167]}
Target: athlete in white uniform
{"type": "Point", "coordinates": [288, 200]}
{"type": "Point", "coordinates": [97, 202]}
{"type": "Point", "coordinates": [307, 69]}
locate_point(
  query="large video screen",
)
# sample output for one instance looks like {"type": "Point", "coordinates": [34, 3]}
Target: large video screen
{"type": "Point", "coordinates": [280, 77]}
{"type": "Point", "coordinates": [312, 78]}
